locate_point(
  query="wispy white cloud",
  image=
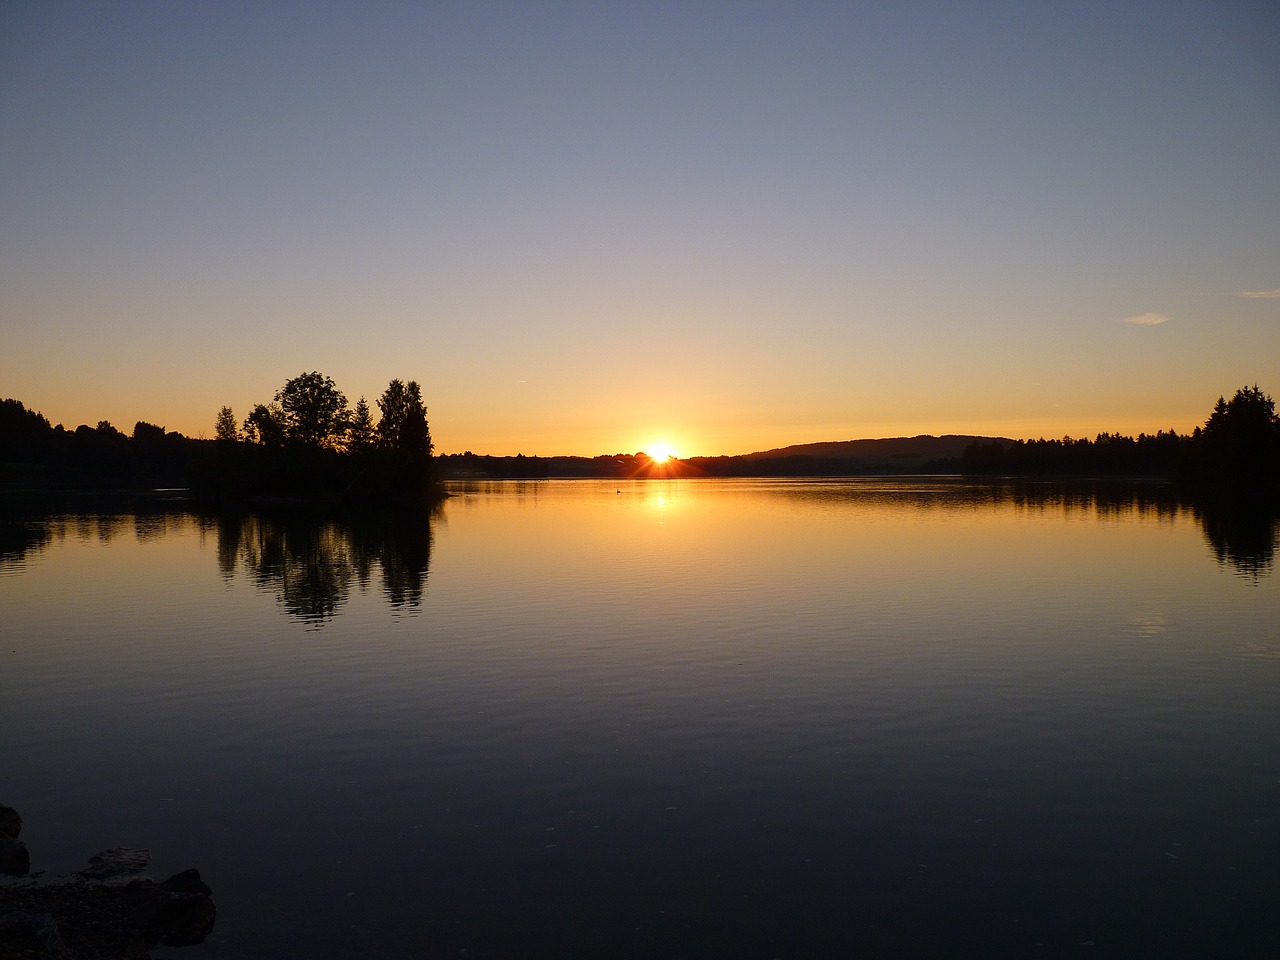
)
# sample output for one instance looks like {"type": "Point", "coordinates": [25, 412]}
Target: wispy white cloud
{"type": "Point", "coordinates": [1261, 294]}
{"type": "Point", "coordinates": [1147, 319]}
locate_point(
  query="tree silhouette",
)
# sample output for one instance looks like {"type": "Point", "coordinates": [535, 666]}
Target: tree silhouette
{"type": "Point", "coordinates": [404, 437]}
{"type": "Point", "coordinates": [25, 435]}
{"type": "Point", "coordinates": [314, 411]}
{"type": "Point", "coordinates": [225, 428]}
{"type": "Point", "coordinates": [147, 433]}
{"type": "Point", "coordinates": [403, 426]}
{"type": "Point", "coordinates": [361, 433]}
{"type": "Point", "coordinates": [1239, 445]}
{"type": "Point", "coordinates": [265, 425]}
{"type": "Point", "coordinates": [307, 444]}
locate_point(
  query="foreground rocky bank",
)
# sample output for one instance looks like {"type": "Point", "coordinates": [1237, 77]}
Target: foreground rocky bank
{"type": "Point", "coordinates": [110, 909]}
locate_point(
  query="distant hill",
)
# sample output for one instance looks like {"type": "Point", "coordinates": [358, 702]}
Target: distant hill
{"type": "Point", "coordinates": [885, 451]}
{"type": "Point", "coordinates": [897, 455]}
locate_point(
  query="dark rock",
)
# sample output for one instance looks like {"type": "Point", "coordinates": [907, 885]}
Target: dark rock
{"type": "Point", "coordinates": [176, 913]}
{"type": "Point", "coordinates": [47, 934]}
{"type": "Point", "coordinates": [10, 822]}
{"type": "Point", "coordinates": [116, 863]}
{"type": "Point", "coordinates": [188, 881]}
{"type": "Point", "coordinates": [19, 929]}
{"type": "Point", "coordinates": [17, 922]}
{"type": "Point", "coordinates": [109, 910]}
{"type": "Point", "coordinates": [185, 919]}
{"type": "Point", "coordinates": [30, 931]}
{"type": "Point", "coordinates": [14, 858]}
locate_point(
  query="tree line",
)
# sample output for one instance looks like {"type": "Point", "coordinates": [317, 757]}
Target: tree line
{"type": "Point", "coordinates": [310, 411]}
{"type": "Point", "coordinates": [306, 443]}
{"type": "Point", "coordinates": [1238, 447]}
{"type": "Point", "coordinates": [309, 442]}
{"type": "Point", "coordinates": [36, 455]}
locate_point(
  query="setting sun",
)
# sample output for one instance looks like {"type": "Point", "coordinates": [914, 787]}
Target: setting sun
{"type": "Point", "coordinates": [661, 452]}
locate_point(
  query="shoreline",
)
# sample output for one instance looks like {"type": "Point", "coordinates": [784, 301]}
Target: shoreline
{"type": "Point", "coordinates": [110, 910]}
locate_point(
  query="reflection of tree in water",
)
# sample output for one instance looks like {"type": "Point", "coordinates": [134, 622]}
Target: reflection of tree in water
{"type": "Point", "coordinates": [314, 563]}
{"type": "Point", "coordinates": [25, 537]}
{"type": "Point", "coordinates": [1241, 532]}
{"type": "Point", "coordinates": [309, 564]}
{"type": "Point", "coordinates": [18, 539]}
{"type": "Point", "coordinates": [405, 556]}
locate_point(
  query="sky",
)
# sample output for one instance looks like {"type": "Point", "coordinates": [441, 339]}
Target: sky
{"type": "Point", "coordinates": [590, 228]}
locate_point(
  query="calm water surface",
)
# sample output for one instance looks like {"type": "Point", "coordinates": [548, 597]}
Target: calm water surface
{"type": "Point", "coordinates": [668, 719]}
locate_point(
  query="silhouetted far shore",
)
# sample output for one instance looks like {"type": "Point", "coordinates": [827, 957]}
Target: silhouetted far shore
{"type": "Point", "coordinates": [1237, 449]}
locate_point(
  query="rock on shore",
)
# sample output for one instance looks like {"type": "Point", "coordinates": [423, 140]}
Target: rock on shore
{"type": "Point", "coordinates": [14, 859]}
{"type": "Point", "coordinates": [108, 911]}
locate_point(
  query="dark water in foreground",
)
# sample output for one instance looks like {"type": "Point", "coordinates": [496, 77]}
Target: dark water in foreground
{"type": "Point", "coordinates": [672, 719]}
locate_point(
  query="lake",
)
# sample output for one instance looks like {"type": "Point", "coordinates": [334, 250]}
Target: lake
{"type": "Point", "coordinates": [666, 719]}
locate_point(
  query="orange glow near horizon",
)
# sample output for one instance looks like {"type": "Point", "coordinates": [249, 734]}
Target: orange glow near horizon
{"type": "Point", "coordinates": [660, 452]}
{"type": "Point", "coordinates": [734, 438]}
{"type": "Point", "coordinates": [695, 433]}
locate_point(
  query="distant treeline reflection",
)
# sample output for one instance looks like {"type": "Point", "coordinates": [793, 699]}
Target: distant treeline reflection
{"type": "Point", "coordinates": [313, 563]}
{"type": "Point", "coordinates": [1243, 532]}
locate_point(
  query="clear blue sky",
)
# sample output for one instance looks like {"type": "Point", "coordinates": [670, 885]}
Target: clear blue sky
{"type": "Point", "coordinates": [589, 228]}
